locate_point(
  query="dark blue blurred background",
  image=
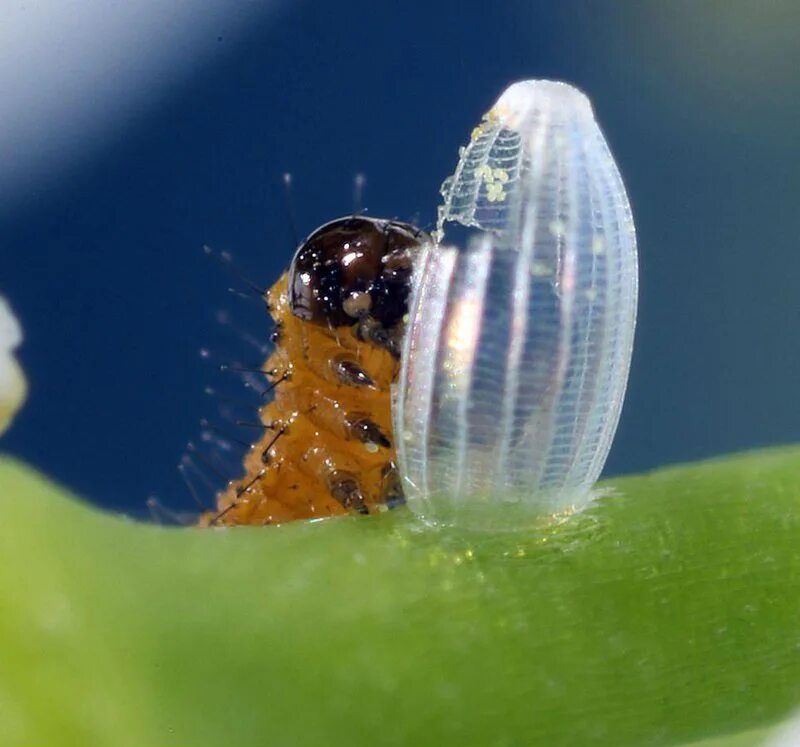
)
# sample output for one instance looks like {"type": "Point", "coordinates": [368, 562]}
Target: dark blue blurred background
{"type": "Point", "coordinates": [700, 101]}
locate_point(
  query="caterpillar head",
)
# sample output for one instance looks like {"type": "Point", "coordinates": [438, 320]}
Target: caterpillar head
{"type": "Point", "coordinates": [355, 269]}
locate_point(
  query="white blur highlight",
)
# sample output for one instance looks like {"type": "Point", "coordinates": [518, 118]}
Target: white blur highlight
{"type": "Point", "coordinates": [788, 735]}
{"type": "Point", "coordinates": [13, 386]}
{"type": "Point", "coordinates": [75, 72]}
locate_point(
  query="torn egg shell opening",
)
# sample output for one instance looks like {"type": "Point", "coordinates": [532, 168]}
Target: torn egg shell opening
{"type": "Point", "coordinates": [13, 386]}
{"type": "Point", "coordinates": [519, 341]}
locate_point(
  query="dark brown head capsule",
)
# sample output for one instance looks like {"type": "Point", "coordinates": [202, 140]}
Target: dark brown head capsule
{"type": "Point", "coordinates": [355, 270]}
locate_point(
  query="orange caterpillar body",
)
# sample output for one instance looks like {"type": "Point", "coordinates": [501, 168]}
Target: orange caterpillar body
{"type": "Point", "coordinates": [327, 447]}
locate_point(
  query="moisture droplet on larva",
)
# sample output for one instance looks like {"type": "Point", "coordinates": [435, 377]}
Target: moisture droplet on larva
{"type": "Point", "coordinates": [519, 342]}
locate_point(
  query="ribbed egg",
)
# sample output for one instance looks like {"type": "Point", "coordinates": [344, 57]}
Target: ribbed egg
{"type": "Point", "coordinates": [520, 334]}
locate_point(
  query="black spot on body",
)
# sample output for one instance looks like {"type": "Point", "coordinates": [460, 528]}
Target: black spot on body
{"type": "Point", "coordinates": [350, 373]}
{"type": "Point", "coordinates": [392, 487]}
{"type": "Point", "coordinates": [366, 430]}
{"type": "Point", "coordinates": [344, 487]}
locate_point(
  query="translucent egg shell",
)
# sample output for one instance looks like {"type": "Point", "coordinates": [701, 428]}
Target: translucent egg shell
{"type": "Point", "coordinates": [519, 339]}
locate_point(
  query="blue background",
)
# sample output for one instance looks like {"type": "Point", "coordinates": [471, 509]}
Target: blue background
{"type": "Point", "coordinates": [699, 102]}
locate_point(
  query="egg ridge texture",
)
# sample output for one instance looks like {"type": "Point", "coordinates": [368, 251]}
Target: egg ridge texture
{"type": "Point", "coordinates": [519, 340]}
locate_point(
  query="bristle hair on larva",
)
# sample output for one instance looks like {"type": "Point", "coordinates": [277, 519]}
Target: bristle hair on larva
{"type": "Point", "coordinates": [518, 345]}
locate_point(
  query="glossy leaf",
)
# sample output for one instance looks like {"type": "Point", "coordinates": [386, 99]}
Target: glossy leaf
{"type": "Point", "coordinates": [665, 614]}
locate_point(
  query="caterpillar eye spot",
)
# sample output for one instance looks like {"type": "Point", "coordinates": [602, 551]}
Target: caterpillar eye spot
{"type": "Point", "coordinates": [357, 304]}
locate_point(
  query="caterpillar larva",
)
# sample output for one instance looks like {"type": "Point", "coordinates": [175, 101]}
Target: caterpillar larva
{"type": "Point", "coordinates": [327, 447]}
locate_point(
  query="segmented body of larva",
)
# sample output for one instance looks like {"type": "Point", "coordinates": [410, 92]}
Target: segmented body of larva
{"type": "Point", "coordinates": [327, 447]}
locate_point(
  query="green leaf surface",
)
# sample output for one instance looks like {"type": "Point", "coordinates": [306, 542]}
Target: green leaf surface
{"type": "Point", "coordinates": [668, 613]}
